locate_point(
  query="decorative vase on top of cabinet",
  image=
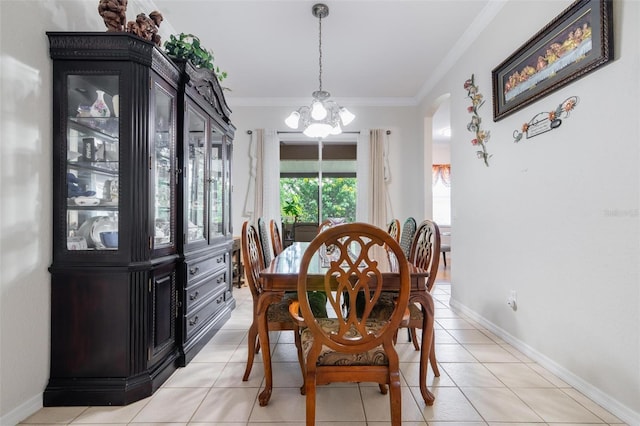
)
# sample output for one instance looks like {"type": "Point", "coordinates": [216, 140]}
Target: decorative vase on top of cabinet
{"type": "Point", "coordinates": [118, 301]}
{"type": "Point", "coordinates": [205, 149]}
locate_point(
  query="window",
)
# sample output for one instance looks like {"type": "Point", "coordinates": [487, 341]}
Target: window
{"type": "Point", "coordinates": [320, 178]}
{"type": "Point", "coordinates": [441, 187]}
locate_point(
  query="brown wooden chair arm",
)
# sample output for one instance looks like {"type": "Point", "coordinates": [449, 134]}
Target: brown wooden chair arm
{"type": "Point", "coordinates": [294, 311]}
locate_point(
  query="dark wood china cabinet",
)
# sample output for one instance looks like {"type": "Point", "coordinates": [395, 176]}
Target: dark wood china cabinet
{"type": "Point", "coordinates": [206, 135]}
{"type": "Point", "coordinates": [140, 278]}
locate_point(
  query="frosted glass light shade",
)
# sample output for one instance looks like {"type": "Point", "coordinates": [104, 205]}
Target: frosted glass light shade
{"type": "Point", "coordinates": [292, 120]}
{"type": "Point", "coordinates": [346, 116]}
{"type": "Point", "coordinates": [318, 111]}
{"type": "Point", "coordinates": [318, 130]}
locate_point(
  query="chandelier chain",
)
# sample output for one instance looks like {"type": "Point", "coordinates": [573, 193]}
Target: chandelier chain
{"type": "Point", "coordinates": [320, 50]}
{"type": "Point", "coordinates": [324, 116]}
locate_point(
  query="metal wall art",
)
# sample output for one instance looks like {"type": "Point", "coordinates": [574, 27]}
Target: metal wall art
{"type": "Point", "coordinates": [546, 121]}
{"type": "Point", "coordinates": [482, 136]}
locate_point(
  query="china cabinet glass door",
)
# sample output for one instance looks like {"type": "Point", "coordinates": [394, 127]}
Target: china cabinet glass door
{"type": "Point", "coordinates": [164, 166]}
{"type": "Point", "coordinates": [195, 176]}
{"type": "Point", "coordinates": [92, 172]}
{"type": "Point", "coordinates": [216, 185]}
{"type": "Point", "coordinates": [227, 188]}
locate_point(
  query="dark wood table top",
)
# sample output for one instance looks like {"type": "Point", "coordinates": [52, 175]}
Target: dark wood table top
{"type": "Point", "coordinates": [282, 273]}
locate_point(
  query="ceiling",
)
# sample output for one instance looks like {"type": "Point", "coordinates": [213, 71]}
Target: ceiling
{"type": "Point", "coordinates": [375, 53]}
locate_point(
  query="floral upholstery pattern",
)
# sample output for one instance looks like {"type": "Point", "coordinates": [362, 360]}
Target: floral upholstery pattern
{"type": "Point", "coordinates": [279, 312]}
{"type": "Point", "coordinates": [375, 356]}
{"type": "Point", "coordinates": [415, 311]}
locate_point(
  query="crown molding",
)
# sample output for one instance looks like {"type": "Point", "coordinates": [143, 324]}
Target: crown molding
{"type": "Point", "coordinates": [482, 21]}
{"type": "Point", "coordinates": [347, 102]}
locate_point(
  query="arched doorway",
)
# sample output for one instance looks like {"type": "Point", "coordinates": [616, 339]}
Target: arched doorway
{"type": "Point", "coordinates": [438, 160]}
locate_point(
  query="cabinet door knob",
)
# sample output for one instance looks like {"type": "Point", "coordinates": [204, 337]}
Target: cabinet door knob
{"type": "Point", "coordinates": [194, 271]}
{"type": "Point", "coordinates": [193, 321]}
{"type": "Point", "coordinates": [194, 296]}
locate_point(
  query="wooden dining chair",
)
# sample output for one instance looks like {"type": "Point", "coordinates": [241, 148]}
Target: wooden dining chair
{"type": "Point", "coordinates": [265, 245]}
{"type": "Point", "coordinates": [394, 229]}
{"type": "Point", "coordinates": [278, 317]}
{"type": "Point", "coordinates": [425, 240]}
{"type": "Point", "coordinates": [347, 347]}
{"type": "Point", "coordinates": [326, 224]}
{"type": "Point", "coordinates": [425, 254]}
{"type": "Point", "coordinates": [276, 238]}
{"type": "Point", "coordinates": [406, 238]}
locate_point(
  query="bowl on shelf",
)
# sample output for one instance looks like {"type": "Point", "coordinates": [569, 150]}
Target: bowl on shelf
{"type": "Point", "coordinates": [109, 239]}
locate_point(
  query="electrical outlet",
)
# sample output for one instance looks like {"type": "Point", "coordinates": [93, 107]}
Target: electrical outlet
{"type": "Point", "coordinates": [512, 300]}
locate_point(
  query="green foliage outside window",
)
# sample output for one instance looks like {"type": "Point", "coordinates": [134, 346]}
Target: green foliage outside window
{"type": "Point", "coordinates": [338, 198]}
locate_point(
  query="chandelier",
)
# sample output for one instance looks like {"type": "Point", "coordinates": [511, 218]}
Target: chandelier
{"type": "Point", "coordinates": [323, 117]}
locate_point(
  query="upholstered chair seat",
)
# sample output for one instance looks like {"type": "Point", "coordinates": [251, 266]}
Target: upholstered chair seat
{"type": "Point", "coordinates": [375, 356]}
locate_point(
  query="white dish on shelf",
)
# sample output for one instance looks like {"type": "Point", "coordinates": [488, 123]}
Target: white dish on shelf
{"type": "Point", "coordinates": [86, 201]}
{"type": "Point", "coordinates": [76, 243]}
{"type": "Point", "coordinates": [92, 228]}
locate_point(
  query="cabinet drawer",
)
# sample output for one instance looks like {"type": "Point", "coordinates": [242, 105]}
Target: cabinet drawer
{"type": "Point", "coordinates": [203, 290]}
{"type": "Point", "coordinates": [199, 268]}
{"type": "Point", "coordinates": [204, 313]}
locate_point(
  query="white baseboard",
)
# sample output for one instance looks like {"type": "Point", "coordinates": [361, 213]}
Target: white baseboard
{"type": "Point", "coordinates": [614, 406]}
{"type": "Point", "coordinates": [21, 412]}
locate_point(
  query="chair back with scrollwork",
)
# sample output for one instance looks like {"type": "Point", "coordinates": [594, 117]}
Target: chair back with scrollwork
{"type": "Point", "coordinates": [349, 346]}
{"type": "Point", "coordinates": [252, 258]}
{"type": "Point", "coordinates": [394, 229]}
{"type": "Point", "coordinates": [425, 250]}
{"type": "Point", "coordinates": [276, 239]}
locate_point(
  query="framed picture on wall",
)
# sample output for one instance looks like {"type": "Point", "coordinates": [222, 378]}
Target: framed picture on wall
{"type": "Point", "coordinates": [576, 42]}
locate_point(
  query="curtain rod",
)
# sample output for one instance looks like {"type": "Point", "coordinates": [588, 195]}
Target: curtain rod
{"type": "Point", "coordinates": [294, 132]}
{"type": "Point", "coordinates": [250, 132]}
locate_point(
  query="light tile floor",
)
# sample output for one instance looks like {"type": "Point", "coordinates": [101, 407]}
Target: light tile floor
{"type": "Point", "coordinates": [483, 381]}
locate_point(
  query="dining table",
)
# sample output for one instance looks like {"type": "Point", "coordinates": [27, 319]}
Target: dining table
{"type": "Point", "coordinates": [281, 276]}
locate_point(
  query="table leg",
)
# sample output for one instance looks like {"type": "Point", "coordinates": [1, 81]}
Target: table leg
{"type": "Point", "coordinates": [426, 301]}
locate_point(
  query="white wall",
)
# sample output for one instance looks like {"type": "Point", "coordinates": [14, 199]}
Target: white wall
{"type": "Point", "coordinates": [542, 219]}
{"type": "Point", "coordinates": [25, 191]}
{"type": "Point", "coordinates": [405, 157]}
{"type": "Point", "coordinates": [555, 217]}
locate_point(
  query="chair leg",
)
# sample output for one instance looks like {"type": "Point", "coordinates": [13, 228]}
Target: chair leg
{"type": "Point", "coordinates": [395, 402]}
{"type": "Point", "coordinates": [432, 357]}
{"type": "Point", "coordinates": [310, 385]}
{"type": "Point", "coordinates": [444, 258]}
{"type": "Point", "coordinates": [414, 338]}
{"type": "Point", "coordinates": [383, 388]}
{"type": "Point", "coordinates": [298, 342]}
{"type": "Point", "coordinates": [251, 352]}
